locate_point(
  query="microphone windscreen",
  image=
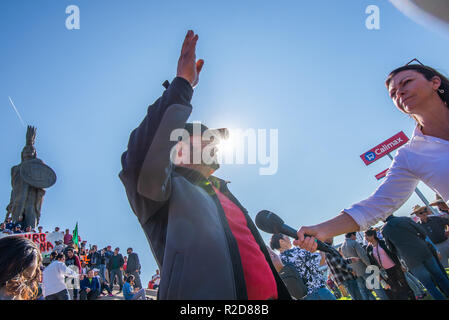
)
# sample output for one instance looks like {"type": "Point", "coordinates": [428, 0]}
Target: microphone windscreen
{"type": "Point", "coordinates": [269, 222]}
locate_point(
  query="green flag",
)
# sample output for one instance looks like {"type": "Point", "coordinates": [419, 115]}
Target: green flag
{"type": "Point", "coordinates": [75, 237]}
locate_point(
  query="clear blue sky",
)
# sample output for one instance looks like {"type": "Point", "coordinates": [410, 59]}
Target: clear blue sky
{"type": "Point", "coordinates": [310, 69]}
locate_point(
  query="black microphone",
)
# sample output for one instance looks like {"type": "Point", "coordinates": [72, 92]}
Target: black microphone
{"type": "Point", "coordinates": [271, 223]}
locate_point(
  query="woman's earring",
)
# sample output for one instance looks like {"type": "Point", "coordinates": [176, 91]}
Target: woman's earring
{"type": "Point", "coordinates": [441, 91]}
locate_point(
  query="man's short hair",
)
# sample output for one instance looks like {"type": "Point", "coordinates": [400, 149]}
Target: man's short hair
{"type": "Point", "coordinates": [129, 249]}
{"type": "Point", "coordinates": [69, 250]}
{"type": "Point", "coordinates": [60, 256]}
{"type": "Point", "coordinates": [275, 241]}
{"type": "Point", "coordinates": [118, 249]}
{"type": "Point", "coordinates": [350, 234]}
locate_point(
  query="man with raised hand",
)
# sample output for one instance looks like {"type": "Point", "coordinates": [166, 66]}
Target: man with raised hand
{"type": "Point", "coordinates": [204, 241]}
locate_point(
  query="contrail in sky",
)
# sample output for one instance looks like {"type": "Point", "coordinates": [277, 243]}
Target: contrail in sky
{"type": "Point", "coordinates": [17, 112]}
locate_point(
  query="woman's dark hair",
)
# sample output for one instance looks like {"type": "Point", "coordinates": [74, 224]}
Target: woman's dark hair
{"type": "Point", "coordinates": [274, 242]}
{"type": "Point", "coordinates": [428, 73]}
{"type": "Point", "coordinates": [17, 255]}
{"type": "Point", "coordinates": [372, 232]}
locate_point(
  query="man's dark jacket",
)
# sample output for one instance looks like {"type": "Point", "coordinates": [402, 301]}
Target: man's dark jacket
{"type": "Point", "coordinates": [406, 238]}
{"type": "Point", "coordinates": [383, 245]}
{"type": "Point", "coordinates": [94, 259]}
{"type": "Point", "coordinates": [116, 261]}
{"type": "Point", "coordinates": [133, 263]}
{"type": "Point", "coordinates": [179, 211]}
{"type": "Point", "coordinates": [93, 285]}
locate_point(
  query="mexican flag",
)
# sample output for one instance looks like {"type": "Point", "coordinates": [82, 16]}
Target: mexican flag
{"type": "Point", "coordinates": [75, 237]}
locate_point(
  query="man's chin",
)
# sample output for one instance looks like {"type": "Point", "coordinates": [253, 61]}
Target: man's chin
{"type": "Point", "coordinates": [214, 166]}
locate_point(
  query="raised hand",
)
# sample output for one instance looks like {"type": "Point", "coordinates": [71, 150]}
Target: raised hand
{"type": "Point", "coordinates": [188, 67]}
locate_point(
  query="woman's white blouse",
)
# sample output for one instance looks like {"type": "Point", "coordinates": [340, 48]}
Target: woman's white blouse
{"type": "Point", "coordinates": [423, 158]}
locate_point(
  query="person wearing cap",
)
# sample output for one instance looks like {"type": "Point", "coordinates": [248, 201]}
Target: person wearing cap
{"type": "Point", "coordinates": [441, 205]}
{"type": "Point", "coordinates": [18, 228]}
{"type": "Point", "coordinates": [436, 229]}
{"type": "Point", "coordinates": [133, 267]}
{"type": "Point", "coordinates": [9, 224]}
{"type": "Point", "coordinates": [59, 246]}
{"type": "Point", "coordinates": [203, 239]}
{"type": "Point", "coordinates": [409, 241]}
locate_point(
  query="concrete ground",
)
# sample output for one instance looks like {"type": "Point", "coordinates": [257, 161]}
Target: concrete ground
{"type": "Point", "coordinates": [150, 294]}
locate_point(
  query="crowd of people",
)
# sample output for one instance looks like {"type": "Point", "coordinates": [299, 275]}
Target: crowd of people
{"type": "Point", "coordinates": [411, 258]}
{"type": "Point", "coordinates": [88, 273]}
{"type": "Point", "coordinates": [196, 226]}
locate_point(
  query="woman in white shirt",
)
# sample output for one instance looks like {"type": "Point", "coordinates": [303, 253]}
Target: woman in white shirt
{"type": "Point", "coordinates": [423, 94]}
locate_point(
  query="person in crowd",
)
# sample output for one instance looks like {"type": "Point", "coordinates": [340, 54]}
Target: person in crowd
{"type": "Point", "coordinates": [5, 230]}
{"type": "Point", "coordinates": [67, 237]}
{"type": "Point", "coordinates": [84, 268]}
{"type": "Point", "coordinates": [290, 276]}
{"type": "Point", "coordinates": [94, 257]}
{"type": "Point", "coordinates": [20, 268]}
{"type": "Point", "coordinates": [53, 255]}
{"type": "Point", "coordinates": [2, 227]}
{"type": "Point", "coordinates": [116, 266]}
{"type": "Point", "coordinates": [18, 228]}
{"type": "Point", "coordinates": [28, 229]}
{"type": "Point", "coordinates": [102, 264]}
{"type": "Point", "coordinates": [342, 272]}
{"type": "Point", "coordinates": [71, 259]}
{"type": "Point", "coordinates": [382, 257]}
{"type": "Point", "coordinates": [161, 181]}
{"type": "Point", "coordinates": [409, 241]}
{"type": "Point", "coordinates": [40, 229]}
{"type": "Point", "coordinates": [133, 267]}
{"type": "Point", "coordinates": [422, 93]}
{"type": "Point", "coordinates": [442, 206]}
{"type": "Point", "coordinates": [306, 263]}
{"type": "Point", "coordinates": [56, 229]}
{"type": "Point", "coordinates": [53, 279]}
{"type": "Point", "coordinates": [104, 285]}
{"type": "Point", "coordinates": [125, 263]}
{"type": "Point", "coordinates": [156, 279]}
{"type": "Point", "coordinates": [108, 254]}
{"type": "Point", "coordinates": [70, 246]}
{"type": "Point", "coordinates": [90, 287]}
{"type": "Point", "coordinates": [436, 230]}
{"type": "Point", "coordinates": [414, 284]}
{"type": "Point", "coordinates": [59, 246]}
{"type": "Point", "coordinates": [130, 293]}
{"type": "Point", "coordinates": [333, 286]}
{"type": "Point", "coordinates": [351, 248]}
{"type": "Point", "coordinates": [9, 224]}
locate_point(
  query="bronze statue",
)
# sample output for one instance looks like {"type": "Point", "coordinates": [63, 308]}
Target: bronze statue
{"type": "Point", "coordinates": [28, 180]}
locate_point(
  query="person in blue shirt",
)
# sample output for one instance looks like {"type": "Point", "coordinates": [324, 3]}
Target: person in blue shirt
{"type": "Point", "coordinates": [130, 293]}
